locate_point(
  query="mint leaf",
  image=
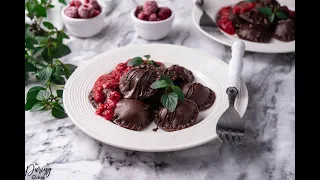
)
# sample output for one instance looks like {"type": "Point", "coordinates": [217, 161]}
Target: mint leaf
{"type": "Point", "coordinates": [281, 15]}
{"type": "Point", "coordinates": [265, 10]}
{"type": "Point", "coordinates": [51, 6]}
{"type": "Point", "coordinates": [63, 35]}
{"type": "Point", "coordinates": [153, 63]}
{"type": "Point", "coordinates": [147, 56]}
{"type": "Point", "coordinates": [63, 2]}
{"type": "Point", "coordinates": [167, 79]}
{"type": "Point", "coordinates": [159, 84]}
{"type": "Point", "coordinates": [60, 51]}
{"type": "Point", "coordinates": [136, 61]}
{"type": "Point", "coordinates": [43, 95]}
{"type": "Point", "coordinates": [271, 17]}
{"type": "Point", "coordinates": [33, 92]}
{"type": "Point", "coordinates": [178, 91]}
{"type": "Point", "coordinates": [31, 96]}
{"type": "Point", "coordinates": [37, 107]}
{"type": "Point", "coordinates": [68, 69]}
{"type": "Point", "coordinates": [40, 39]}
{"type": "Point", "coordinates": [58, 80]}
{"type": "Point", "coordinates": [59, 93]}
{"type": "Point", "coordinates": [30, 67]}
{"type": "Point", "coordinates": [45, 74]}
{"type": "Point", "coordinates": [48, 25]}
{"type": "Point", "coordinates": [58, 111]}
{"type": "Point", "coordinates": [40, 11]}
{"type": "Point", "coordinates": [30, 7]}
{"type": "Point", "coordinates": [170, 101]}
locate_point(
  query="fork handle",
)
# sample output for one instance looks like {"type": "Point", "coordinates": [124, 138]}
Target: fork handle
{"type": "Point", "coordinates": [236, 64]}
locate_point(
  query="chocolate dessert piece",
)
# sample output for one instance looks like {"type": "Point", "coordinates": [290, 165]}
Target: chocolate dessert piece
{"type": "Point", "coordinates": [183, 75]}
{"type": "Point", "coordinates": [254, 33]}
{"type": "Point", "coordinates": [155, 100]}
{"type": "Point", "coordinates": [285, 30]}
{"type": "Point", "coordinates": [136, 82]}
{"type": "Point", "coordinates": [185, 115]}
{"type": "Point", "coordinates": [133, 114]}
{"type": "Point", "coordinates": [256, 18]}
{"type": "Point", "coordinates": [203, 96]}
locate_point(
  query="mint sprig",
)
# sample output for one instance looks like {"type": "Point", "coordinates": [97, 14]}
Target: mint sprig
{"type": "Point", "coordinates": [272, 13]}
{"type": "Point", "coordinates": [136, 61]}
{"type": "Point", "coordinates": [43, 48]}
{"type": "Point", "coordinates": [173, 93]}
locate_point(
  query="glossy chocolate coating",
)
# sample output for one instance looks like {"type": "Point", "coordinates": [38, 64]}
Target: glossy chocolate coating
{"type": "Point", "coordinates": [182, 74]}
{"type": "Point", "coordinates": [135, 84]}
{"type": "Point", "coordinates": [254, 33]}
{"type": "Point", "coordinates": [133, 114]}
{"type": "Point", "coordinates": [285, 30]}
{"type": "Point", "coordinates": [203, 96]}
{"type": "Point", "coordinates": [185, 115]}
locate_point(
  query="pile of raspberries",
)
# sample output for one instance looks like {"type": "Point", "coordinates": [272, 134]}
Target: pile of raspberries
{"type": "Point", "coordinates": [151, 12]}
{"type": "Point", "coordinates": [89, 9]}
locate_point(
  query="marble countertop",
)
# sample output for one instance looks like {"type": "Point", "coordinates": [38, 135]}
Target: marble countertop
{"type": "Point", "coordinates": [268, 152]}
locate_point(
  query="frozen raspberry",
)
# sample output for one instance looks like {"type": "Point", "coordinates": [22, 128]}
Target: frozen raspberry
{"type": "Point", "coordinates": [72, 12]}
{"type": "Point", "coordinates": [138, 10]}
{"type": "Point", "coordinates": [143, 16]}
{"type": "Point", "coordinates": [115, 95]}
{"type": "Point", "coordinates": [164, 13]}
{"type": "Point", "coordinates": [95, 4]}
{"type": "Point", "coordinates": [75, 3]}
{"type": "Point", "coordinates": [85, 11]}
{"type": "Point", "coordinates": [95, 13]}
{"type": "Point", "coordinates": [150, 7]}
{"type": "Point", "coordinates": [153, 17]}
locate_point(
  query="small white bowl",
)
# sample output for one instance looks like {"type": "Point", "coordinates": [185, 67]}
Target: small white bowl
{"type": "Point", "coordinates": [84, 28]}
{"type": "Point", "coordinates": [152, 30]}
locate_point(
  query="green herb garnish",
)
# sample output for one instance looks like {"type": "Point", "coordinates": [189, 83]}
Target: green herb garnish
{"type": "Point", "coordinates": [271, 14]}
{"type": "Point", "coordinates": [136, 61]}
{"type": "Point", "coordinates": [173, 93]}
{"type": "Point", "coordinates": [43, 48]}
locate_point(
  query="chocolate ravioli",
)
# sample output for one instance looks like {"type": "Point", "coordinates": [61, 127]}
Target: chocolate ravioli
{"type": "Point", "coordinates": [136, 82]}
{"type": "Point", "coordinates": [285, 30]}
{"type": "Point", "coordinates": [133, 114]}
{"type": "Point", "coordinates": [182, 75]}
{"type": "Point", "coordinates": [185, 115]}
{"type": "Point", "coordinates": [254, 33]}
{"type": "Point", "coordinates": [203, 96]}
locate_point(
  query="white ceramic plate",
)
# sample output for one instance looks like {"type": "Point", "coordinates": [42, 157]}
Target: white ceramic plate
{"type": "Point", "coordinates": [208, 70]}
{"type": "Point", "coordinates": [274, 46]}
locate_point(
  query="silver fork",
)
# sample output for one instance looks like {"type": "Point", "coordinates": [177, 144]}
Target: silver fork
{"type": "Point", "coordinates": [205, 19]}
{"type": "Point", "coordinates": [230, 127]}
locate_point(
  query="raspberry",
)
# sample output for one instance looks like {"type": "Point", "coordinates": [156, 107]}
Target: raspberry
{"type": "Point", "coordinates": [72, 12]}
{"type": "Point", "coordinates": [75, 3]}
{"type": "Point", "coordinates": [115, 95]}
{"type": "Point", "coordinates": [153, 17]}
{"type": "Point", "coordinates": [107, 114]}
{"type": "Point", "coordinates": [85, 11]}
{"type": "Point", "coordinates": [164, 13]}
{"type": "Point", "coordinates": [143, 16]}
{"type": "Point", "coordinates": [150, 7]}
{"type": "Point", "coordinates": [111, 104]}
{"type": "Point", "coordinates": [95, 13]}
{"type": "Point", "coordinates": [98, 96]}
{"type": "Point", "coordinates": [95, 4]}
{"type": "Point", "coordinates": [138, 10]}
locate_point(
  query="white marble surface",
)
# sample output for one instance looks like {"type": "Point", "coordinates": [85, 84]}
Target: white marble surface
{"type": "Point", "coordinates": [268, 152]}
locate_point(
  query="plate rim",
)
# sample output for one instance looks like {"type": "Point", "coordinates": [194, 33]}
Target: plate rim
{"type": "Point", "coordinates": [194, 9]}
{"type": "Point", "coordinates": [163, 149]}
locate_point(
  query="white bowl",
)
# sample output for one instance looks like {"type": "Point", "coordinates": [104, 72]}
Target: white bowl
{"type": "Point", "coordinates": [152, 30]}
{"type": "Point", "coordinates": [84, 28]}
